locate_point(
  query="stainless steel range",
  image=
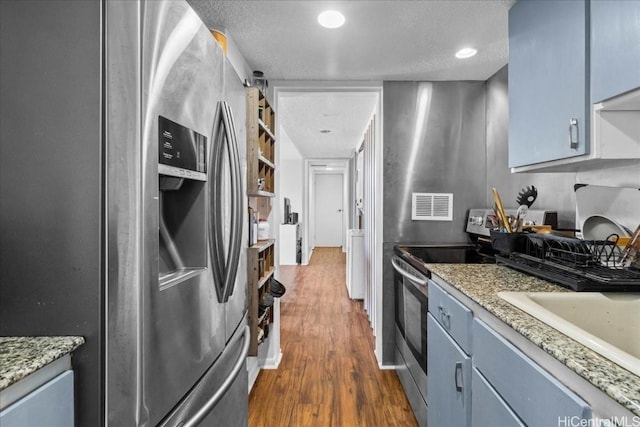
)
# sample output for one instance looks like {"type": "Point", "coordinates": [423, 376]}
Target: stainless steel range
{"type": "Point", "coordinates": [411, 296]}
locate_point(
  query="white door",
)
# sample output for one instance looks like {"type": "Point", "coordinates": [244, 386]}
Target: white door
{"type": "Point", "coordinates": [328, 210]}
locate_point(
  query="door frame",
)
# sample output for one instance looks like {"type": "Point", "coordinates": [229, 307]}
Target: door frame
{"type": "Point", "coordinates": [313, 168]}
{"type": "Point", "coordinates": [373, 206]}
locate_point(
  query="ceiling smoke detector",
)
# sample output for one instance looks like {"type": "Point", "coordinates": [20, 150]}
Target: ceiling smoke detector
{"type": "Point", "coordinates": [331, 19]}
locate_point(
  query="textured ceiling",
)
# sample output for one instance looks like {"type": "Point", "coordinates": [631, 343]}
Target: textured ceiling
{"type": "Point", "coordinates": [345, 114]}
{"type": "Point", "coordinates": [381, 40]}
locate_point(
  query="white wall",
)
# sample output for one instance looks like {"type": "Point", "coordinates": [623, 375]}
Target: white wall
{"type": "Point", "coordinates": [621, 176]}
{"type": "Point", "coordinates": [291, 178]}
{"type": "Point", "coordinates": [289, 183]}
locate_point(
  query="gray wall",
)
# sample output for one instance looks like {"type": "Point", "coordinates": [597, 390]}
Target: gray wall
{"type": "Point", "coordinates": [51, 279]}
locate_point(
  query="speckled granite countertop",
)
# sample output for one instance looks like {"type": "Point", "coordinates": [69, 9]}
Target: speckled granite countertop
{"type": "Point", "coordinates": [21, 356]}
{"type": "Point", "coordinates": [481, 283]}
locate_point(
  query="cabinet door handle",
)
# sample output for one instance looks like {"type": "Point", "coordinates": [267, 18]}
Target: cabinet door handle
{"type": "Point", "coordinates": [458, 378]}
{"type": "Point", "coordinates": [574, 136]}
{"type": "Point", "coordinates": [445, 317]}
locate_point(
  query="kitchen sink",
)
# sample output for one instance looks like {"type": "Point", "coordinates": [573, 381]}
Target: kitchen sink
{"type": "Point", "coordinates": [607, 323]}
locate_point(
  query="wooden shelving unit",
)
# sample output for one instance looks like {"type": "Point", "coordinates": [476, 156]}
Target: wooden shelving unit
{"type": "Point", "coordinates": [261, 143]}
{"type": "Point", "coordinates": [261, 169]}
{"type": "Point", "coordinates": [260, 271]}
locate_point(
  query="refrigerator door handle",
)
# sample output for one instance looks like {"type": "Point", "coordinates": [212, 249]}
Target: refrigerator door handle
{"type": "Point", "coordinates": [225, 266]}
{"type": "Point", "coordinates": [216, 244]}
{"type": "Point", "coordinates": [233, 256]}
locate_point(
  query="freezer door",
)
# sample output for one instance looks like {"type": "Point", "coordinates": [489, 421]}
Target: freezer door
{"type": "Point", "coordinates": [182, 321]}
{"type": "Point", "coordinates": [220, 397]}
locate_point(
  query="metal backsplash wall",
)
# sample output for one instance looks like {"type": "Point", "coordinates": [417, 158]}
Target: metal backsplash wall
{"type": "Point", "coordinates": [434, 142]}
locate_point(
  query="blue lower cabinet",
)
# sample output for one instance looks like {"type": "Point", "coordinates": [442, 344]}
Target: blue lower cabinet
{"type": "Point", "coordinates": [536, 397]}
{"type": "Point", "coordinates": [50, 405]}
{"type": "Point", "coordinates": [449, 385]}
{"type": "Point", "coordinates": [487, 407]}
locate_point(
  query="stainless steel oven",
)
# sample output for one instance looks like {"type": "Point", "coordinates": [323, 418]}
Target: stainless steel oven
{"type": "Point", "coordinates": [411, 306]}
{"type": "Point", "coordinates": [411, 299]}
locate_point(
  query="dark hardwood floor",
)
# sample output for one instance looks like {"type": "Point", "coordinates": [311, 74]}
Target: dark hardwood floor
{"type": "Point", "coordinates": [329, 375]}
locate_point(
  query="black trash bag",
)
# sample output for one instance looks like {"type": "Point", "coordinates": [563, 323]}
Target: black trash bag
{"type": "Point", "coordinates": [276, 288]}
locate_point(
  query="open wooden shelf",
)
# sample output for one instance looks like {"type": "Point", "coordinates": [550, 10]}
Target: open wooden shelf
{"type": "Point", "coordinates": [261, 268]}
{"type": "Point", "coordinates": [261, 141]}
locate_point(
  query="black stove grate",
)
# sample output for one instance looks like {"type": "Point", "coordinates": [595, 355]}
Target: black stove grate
{"type": "Point", "coordinates": [581, 265]}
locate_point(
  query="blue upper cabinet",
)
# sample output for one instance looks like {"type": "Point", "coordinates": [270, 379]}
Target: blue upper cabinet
{"type": "Point", "coordinates": [615, 47]}
{"type": "Point", "coordinates": [548, 81]}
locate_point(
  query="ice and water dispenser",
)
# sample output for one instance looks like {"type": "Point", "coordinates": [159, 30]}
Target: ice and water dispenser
{"type": "Point", "coordinates": [182, 178]}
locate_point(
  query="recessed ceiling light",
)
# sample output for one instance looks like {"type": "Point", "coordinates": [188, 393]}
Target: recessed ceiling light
{"type": "Point", "coordinates": [467, 52]}
{"type": "Point", "coordinates": [331, 19]}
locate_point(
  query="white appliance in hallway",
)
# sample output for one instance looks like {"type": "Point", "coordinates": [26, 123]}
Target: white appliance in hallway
{"type": "Point", "coordinates": [355, 263]}
{"type": "Point", "coordinates": [126, 222]}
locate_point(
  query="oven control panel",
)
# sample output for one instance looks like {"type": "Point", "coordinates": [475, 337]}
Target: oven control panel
{"type": "Point", "coordinates": [481, 221]}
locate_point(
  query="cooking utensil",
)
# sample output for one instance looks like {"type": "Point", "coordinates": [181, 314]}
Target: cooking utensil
{"type": "Point", "coordinates": [498, 216]}
{"type": "Point", "coordinates": [527, 196]}
{"type": "Point", "coordinates": [540, 229]}
{"type": "Point", "coordinates": [631, 253]}
{"type": "Point", "coordinates": [500, 210]}
{"type": "Point", "coordinates": [521, 213]}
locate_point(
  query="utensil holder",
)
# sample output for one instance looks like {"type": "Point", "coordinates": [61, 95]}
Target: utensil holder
{"type": "Point", "coordinates": [508, 242]}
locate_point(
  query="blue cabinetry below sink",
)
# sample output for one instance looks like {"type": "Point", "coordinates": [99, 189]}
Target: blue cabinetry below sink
{"type": "Point", "coordinates": [477, 378]}
{"type": "Point", "coordinates": [489, 409]}
{"type": "Point", "coordinates": [532, 395]}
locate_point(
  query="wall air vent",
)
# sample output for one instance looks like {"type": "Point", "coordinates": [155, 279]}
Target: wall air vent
{"type": "Point", "coordinates": [432, 207]}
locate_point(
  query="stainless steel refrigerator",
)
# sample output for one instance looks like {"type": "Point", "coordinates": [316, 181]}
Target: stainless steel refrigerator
{"type": "Point", "coordinates": [122, 188]}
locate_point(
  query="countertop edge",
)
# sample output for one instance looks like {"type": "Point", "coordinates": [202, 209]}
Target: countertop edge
{"type": "Point", "coordinates": [22, 356]}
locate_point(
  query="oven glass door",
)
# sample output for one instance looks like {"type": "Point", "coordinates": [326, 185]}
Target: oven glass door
{"type": "Point", "coordinates": [415, 308]}
{"type": "Point", "coordinates": [411, 307]}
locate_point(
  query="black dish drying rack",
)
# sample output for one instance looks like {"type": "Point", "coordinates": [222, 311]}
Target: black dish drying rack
{"type": "Point", "coordinates": [581, 265]}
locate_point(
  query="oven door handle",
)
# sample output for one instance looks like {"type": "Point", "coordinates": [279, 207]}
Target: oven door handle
{"type": "Point", "coordinates": [413, 278]}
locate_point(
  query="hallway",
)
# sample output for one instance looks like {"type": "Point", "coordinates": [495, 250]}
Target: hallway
{"type": "Point", "coordinates": [329, 375]}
